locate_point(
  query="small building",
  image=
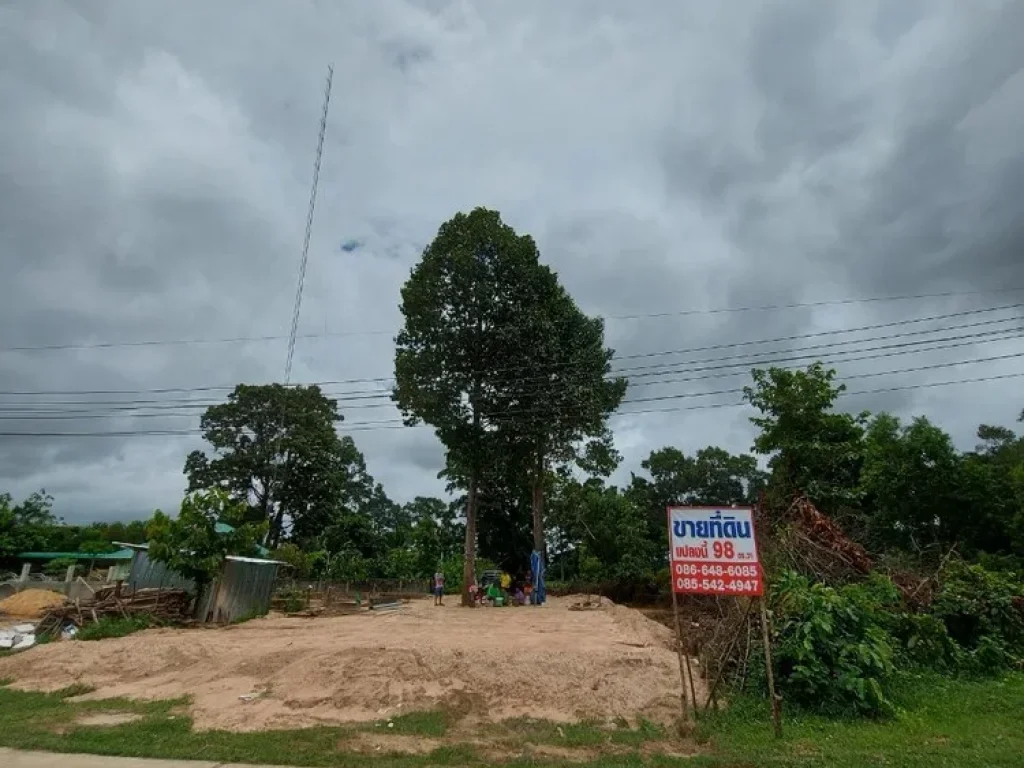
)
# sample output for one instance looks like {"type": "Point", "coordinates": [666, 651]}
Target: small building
{"type": "Point", "coordinates": [242, 589]}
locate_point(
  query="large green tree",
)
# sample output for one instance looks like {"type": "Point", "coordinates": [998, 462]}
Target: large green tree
{"type": "Point", "coordinates": [711, 476]}
{"type": "Point", "coordinates": [560, 393]}
{"type": "Point", "coordinates": [603, 530]}
{"type": "Point", "coordinates": [911, 484]}
{"type": "Point", "coordinates": [276, 450]}
{"type": "Point", "coordinates": [28, 525]}
{"type": "Point", "coordinates": [465, 308]}
{"type": "Point", "coordinates": [813, 449]}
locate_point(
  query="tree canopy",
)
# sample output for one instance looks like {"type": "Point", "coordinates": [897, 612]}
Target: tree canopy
{"type": "Point", "coordinates": [276, 451]}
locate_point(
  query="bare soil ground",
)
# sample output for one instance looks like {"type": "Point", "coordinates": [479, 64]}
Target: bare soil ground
{"type": "Point", "coordinates": [488, 664]}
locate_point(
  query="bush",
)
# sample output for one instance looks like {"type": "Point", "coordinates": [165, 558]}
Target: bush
{"type": "Point", "coordinates": [983, 612]}
{"type": "Point", "coordinates": [831, 652]}
{"type": "Point", "coordinates": [115, 627]}
{"type": "Point", "coordinates": [293, 599]}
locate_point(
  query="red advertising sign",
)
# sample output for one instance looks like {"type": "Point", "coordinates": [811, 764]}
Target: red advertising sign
{"type": "Point", "coordinates": [712, 551]}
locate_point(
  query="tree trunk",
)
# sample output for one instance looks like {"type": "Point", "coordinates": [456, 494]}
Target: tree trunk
{"type": "Point", "coordinates": [538, 504]}
{"type": "Point", "coordinates": [274, 535]}
{"type": "Point", "coordinates": [469, 563]}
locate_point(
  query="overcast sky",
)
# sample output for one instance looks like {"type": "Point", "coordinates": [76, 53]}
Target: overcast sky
{"type": "Point", "coordinates": [669, 157]}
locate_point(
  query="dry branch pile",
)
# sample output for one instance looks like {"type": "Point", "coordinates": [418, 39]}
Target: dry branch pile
{"type": "Point", "coordinates": [170, 606]}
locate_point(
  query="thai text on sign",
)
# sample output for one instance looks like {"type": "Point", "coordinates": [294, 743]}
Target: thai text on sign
{"type": "Point", "coordinates": [713, 551]}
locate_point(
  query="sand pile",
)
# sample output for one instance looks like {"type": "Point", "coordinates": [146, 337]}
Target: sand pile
{"type": "Point", "coordinates": [30, 602]}
{"type": "Point", "coordinates": [491, 663]}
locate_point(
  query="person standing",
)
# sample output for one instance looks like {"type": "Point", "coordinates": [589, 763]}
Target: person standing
{"type": "Point", "coordinates": [438, 588]}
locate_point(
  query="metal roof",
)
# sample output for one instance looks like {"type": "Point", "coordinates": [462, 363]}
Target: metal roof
{"type": "Point", "coordinates": [237, 558]}
{"type": "Point", "coordinates": [121, 554]}
{"type": "Point", "coordinates": [240, 559]}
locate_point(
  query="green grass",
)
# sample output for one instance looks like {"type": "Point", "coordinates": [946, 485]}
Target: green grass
{"type": "Point", "coordinates": [940, 723]}
{"type": "Point", "coordinates": [115, 627]}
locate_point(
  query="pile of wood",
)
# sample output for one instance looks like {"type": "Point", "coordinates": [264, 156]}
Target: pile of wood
{"type": "Point", "coordinates": [165, 606]}
{"type": "Point", "coordinates": [823, 544]}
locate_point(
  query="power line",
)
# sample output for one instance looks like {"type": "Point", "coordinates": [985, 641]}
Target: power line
{"type": "Point", "coordinates": [657, 353]}
{"type": "Point", "coordinates": [689, 367]}
{"type": "Point", "coordinates": [115, 410]}
{"type": "Point", "coordinates": [640, 316]}
{"type": "Point", "coordinates": [398, 425]}
{"type": "Point", "coordinates": [514, 412]}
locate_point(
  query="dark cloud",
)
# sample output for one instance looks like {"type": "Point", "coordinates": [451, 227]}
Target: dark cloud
{"type": "Point", "coordinates": [155, 163]}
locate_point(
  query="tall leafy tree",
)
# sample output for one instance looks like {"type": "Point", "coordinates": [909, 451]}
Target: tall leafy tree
{"type": "Point", "coordinates": [28, 525]}
{"type": "Point", "coordinates": [276, 450]}
{"type": "Point", "coordinates": [560, 393]}
{"type": "Point", "coordinates": [464, 307]}
{"type": "Point", "coordinates": [911, 484]}
{"type": "Point", "coordinates": [711, 476]}
{"type": "Point", "coordinates": [814, 449]}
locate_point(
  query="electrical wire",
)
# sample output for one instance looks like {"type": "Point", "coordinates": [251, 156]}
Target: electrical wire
{"type": "Point", "coordinates": [686, 350]}
{"type": "Point", "coordinates": [73, 346]}
{"type": "Point", "coordinates": [399, 425]}
{"type": "Point", "coordinates": [113, 408]}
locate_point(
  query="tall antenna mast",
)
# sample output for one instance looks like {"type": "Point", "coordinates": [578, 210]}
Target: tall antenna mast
{"type": "Point", "coordinates": [297, 307]}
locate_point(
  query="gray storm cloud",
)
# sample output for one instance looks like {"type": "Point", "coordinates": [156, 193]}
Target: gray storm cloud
{"type": "Point", "coordinates": [668, 156]}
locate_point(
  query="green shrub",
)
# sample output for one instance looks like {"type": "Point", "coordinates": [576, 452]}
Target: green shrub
{"type": "Point", "coordinates": [294, 599]}
{"type": "Point", "coordinates": [831, 652]}
{"type": "Point", "coordinates": [919, 640]}
{"type": "Point", "coordinates": [116, 627]}
{"type": "Point", "coordinates": [983, 611]}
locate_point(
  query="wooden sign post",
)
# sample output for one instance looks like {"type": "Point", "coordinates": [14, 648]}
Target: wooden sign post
{"type": "Point", "coordinates": [713, 551]}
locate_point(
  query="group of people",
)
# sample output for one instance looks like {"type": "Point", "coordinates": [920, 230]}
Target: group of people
{"type": "Point", "coordinates": [504, 591]}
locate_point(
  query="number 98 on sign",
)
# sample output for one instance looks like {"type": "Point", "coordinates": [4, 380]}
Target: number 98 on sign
{"type": "Point", "coordinates": [713, 551]}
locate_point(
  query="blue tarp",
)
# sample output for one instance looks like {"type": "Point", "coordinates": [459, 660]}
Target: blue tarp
{"type": "Point", "coordinates": [537, 567]}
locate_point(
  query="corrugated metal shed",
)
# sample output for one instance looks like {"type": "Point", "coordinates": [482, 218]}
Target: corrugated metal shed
{"type": "Point", "coordinates": [146, 573]}
{"type": "Point", "coordinates": [243, 589]}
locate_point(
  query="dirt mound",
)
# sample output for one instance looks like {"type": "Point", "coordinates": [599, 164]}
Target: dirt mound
{"type": "Point", "coordinates": [30, 602]}
{"type": "Point", "coordinates": [491, 663]}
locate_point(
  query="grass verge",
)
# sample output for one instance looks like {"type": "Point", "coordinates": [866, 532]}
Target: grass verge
{"type": "Point", "coordinates": [940, 723]}
{"type": "Point", "coordinates": [115, 627]}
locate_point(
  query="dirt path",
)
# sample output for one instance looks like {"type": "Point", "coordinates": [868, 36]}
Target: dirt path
{"type": "Point", "coordinates": [490, 663]}
{"type": "Point", "coordinates": [14, 758]}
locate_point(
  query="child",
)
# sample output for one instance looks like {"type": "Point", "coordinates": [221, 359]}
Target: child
{"type": "Point", "coordinates": [438, 588]}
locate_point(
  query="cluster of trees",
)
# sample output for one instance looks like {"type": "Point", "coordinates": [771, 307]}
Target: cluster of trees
{"type": "Point", "coordinates": [31, 526]}
{"type": "Point", "coordinates": [895, 487]}
{"type": "Point", "coordinates": [516, 381]}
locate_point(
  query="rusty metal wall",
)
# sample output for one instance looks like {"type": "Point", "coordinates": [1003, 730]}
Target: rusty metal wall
{"type": "Point", "coordinates": [243, 591]}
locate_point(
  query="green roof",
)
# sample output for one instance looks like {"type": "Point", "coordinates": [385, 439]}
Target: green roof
{"type": "Point", "coordinates": [225, 528]}
{"type": "Point", "coordinates": [121, 554]}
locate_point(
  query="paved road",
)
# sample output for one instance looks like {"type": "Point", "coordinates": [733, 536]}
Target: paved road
{"type": "Point", "coordinates": [13, 758]}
